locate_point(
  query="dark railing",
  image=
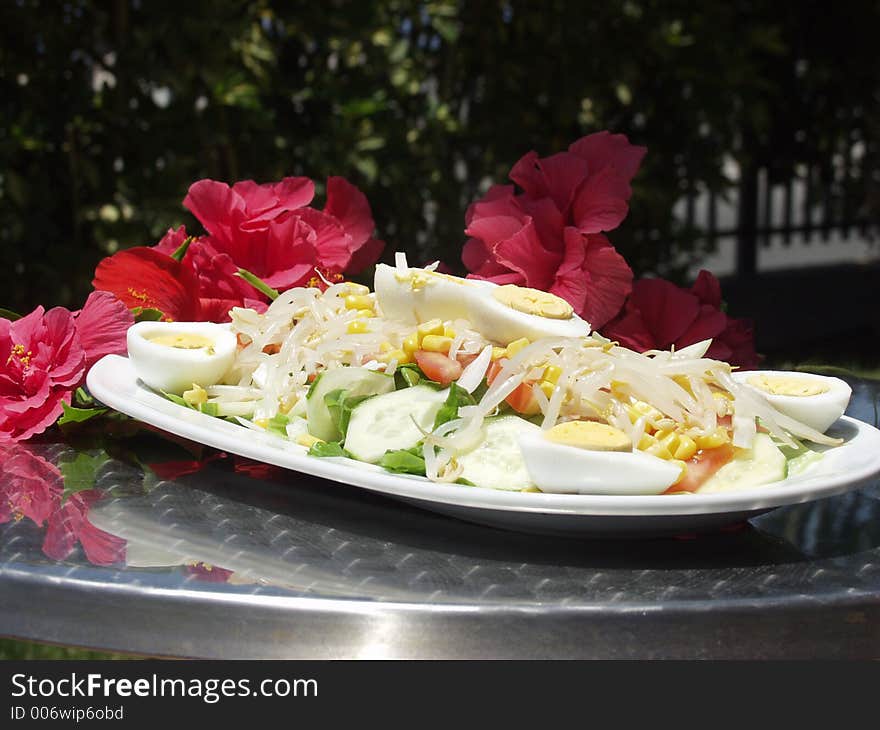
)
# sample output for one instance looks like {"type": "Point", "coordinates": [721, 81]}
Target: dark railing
{"type": "Point", "coordinates": [815, 205]}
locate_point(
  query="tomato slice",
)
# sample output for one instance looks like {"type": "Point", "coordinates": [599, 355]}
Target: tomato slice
{"type": "Point", "coordinates": [438, 367]}
{"type": "Point", "coordinates": [701, 466]}
{"type": "Point", "coordinates": [522, 398]}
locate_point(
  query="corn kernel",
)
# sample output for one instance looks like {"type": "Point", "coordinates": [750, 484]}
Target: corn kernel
{"type": "Point", "coordinates": [431, 327]}
{"type": "Point", "coordinates": [646, 442]}
{"type": "Point", "coordinates": [356, 289]}
{"type": "Point", "coordinates": [713, 440]}
{"type": "Point", "coordinates": [197, 396]}
{"type": "Point", "coordinates": [411, 343]}
{"type": "Point", "coordinates": [685, 449]}
{"type": "Point", "coordinates": [358, 301]}
{"type": "Point", "coordinates": [358, 327]}
{"type": "Point", "coordinates": [365, 313]}
{"type": "Point", "coordinates": [552, 373]}
{"type": "Point", "coordinates": [398, 355]}
{"type": "Point", "coordinates": [261, 422]}
{"type": "Point", "coordinates": [659, 450]}
{"type": "Point", "coordinates": [517, 345]}
{"type": "Point", "coordinates": [448, 332]}
{"type": "Point", "coordinates": [498, 353]}
{"type": "Point", "coordinates": [547, 387]}
{"type": "Point", "coordinates": [386, 347]}
{"type": "Point", "coordinates": [436, 343]}
{"type": "Point", "coordinates": [307, 440]}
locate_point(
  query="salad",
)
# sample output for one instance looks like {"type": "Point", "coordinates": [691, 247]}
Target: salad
{"type": "Point", "coordinates": [497, 386]}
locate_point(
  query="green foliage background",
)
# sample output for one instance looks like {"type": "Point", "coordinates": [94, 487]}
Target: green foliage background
{"type": "Point", "coordinates": [110, 109]}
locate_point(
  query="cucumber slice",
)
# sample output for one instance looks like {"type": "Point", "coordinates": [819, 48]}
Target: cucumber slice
{"type": "Point", "coordinates": [497, 461]}
{"type": "Point", "coordinates": [762, 464]}
{"type": "Point", "coordinates": [385, 423]}
{"type": "Point", "coordinates": [357, 381]}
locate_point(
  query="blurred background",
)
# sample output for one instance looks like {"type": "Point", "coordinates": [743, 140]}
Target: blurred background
{"type": "Point", "coordinates": [760, 119]}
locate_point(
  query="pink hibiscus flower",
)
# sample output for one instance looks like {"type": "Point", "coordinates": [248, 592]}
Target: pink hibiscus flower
{"type": "Point", "coordinates": [660, 315]}
{"type": "Point", "coordinates": [44, 357]}
{"type": "Point", "coordinates": [550, 235]}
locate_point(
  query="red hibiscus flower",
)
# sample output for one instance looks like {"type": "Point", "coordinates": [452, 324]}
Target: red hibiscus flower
{"type": "Point", "coordinates": [44, 357]}
{"type": "Point", "coordinates": [550, 236]}
{"type": "Point", "coordinates": [33, 487]}
{"type": "Point", "coordinates": [69, 525]}
{"type": "Point", "coordinates": [148, 278]}
{"type": "Point", "coordinates": [660, 315]}
{"type": "Point", "coordinates": [271, 231]}
{"type": "Point", "coordinates": [268, 230]}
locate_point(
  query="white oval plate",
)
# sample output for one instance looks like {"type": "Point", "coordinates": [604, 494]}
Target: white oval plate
{"type": "Point", "coordinates": [113, 382]}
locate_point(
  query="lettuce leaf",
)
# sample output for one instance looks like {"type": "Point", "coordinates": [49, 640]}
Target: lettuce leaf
{"type": "Point", "coordinates": [404, 461]}
{"type": "Point", "coordinates": [340, 404]}
{"type": "Point", "coordinates": [457, 397]}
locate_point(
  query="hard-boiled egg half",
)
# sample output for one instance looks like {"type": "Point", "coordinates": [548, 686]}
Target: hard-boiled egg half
{"type": "Point", "coordinates": [588, 457]}
{"type": "Point", "coordinates": [502, 313]}
{"type": "Point", "coordinates": [172, 356]}
{"type": "Point", "coordinates": [814, 400]}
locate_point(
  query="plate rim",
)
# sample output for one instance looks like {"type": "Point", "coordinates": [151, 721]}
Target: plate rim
{"type": "Point", "coordinates": [112, 381]}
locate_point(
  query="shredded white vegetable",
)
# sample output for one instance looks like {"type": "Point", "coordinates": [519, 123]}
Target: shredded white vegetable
{"type": "Point", "coordinates": [306, 331]}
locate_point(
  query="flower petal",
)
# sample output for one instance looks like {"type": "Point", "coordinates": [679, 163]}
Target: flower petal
{"type": "Point", "coordinates": [710, 323]}
{"type": "Point", "coordinates": [666, 310]}
{"type": "Point", "coordinates": [601, 202]}
{"type": "Point", "coordinates": [630, 330]}
{"type": "Point", "coordinates": [291, 252]}
{"type": "Point", "coordinates": [593, 277]}
{"type": "Point", "coordinates": [101, 326]}
{"type": "Point", "coordinates": [557, 177]}
{"type": "Point", "coordinates": [364, 257]}
{"type": "Point", "coordinates": [523, 253]}
{"type": "Point", "coordinates": [144, 277]}
{"type": "Point", "coordinates": [171, 241]}
{"type": "Point", "coordinates": [219, 208]}
{"type": "Point", "coordinates": [350, 208]}
{"type": "Point", "coordinates": [707, 289]}
{"type": "Point", "coordinates": [604, 149]}
{"type": "Point", "coordinates": [502, 195]}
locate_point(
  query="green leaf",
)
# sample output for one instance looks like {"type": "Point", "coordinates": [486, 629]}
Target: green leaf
{"type": "Point", "coordinates": [82, 398]}
{"type": "Point", "coordinates": [340, 405]}
{"type": "Point", "coordinates": [210, 409]}
{"type": "Point", "coordinates": [146, 314]}
{"type": "Point", "coordinates": [404, 461]}
{"type": "Point", "coordinates": [9, 314]}
{"type": "Point", "coordinates": [457, 397]}
{"type": "Point", "coordinates": [257, 283]}
{"type": "Point", "coordinates": [80, 474]}
{"type": "Point", "coordinates": [278, 424]}
{"type": "Point", "coordinates": [176, 399]}
{"type": "Point", "coordinates": [181, 250]}
{"type": "Point", "coordinates": [328, 448]}
{"type": "Point", "coordinates": [78, 415]}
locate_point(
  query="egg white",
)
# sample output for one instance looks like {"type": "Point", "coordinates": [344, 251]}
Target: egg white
{"type": "Point", "coordinates": [818, 411]}
{"type": "Point", "coordinates": [174, 370]}
{"type": "Point", "coordinates": [563, 469]}
{"type": "Point", "coordinates": [438, 296]}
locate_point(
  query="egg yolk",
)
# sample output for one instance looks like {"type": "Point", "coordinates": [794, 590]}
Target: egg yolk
{"type": "Point", "coordinates": [589, 435]}
{"type": "Point", "coordinates": [183, 341]}
{"type": "Point", "coordinates": [533, 301]}
{"type": "Point", "coordinates": [784, 385]}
